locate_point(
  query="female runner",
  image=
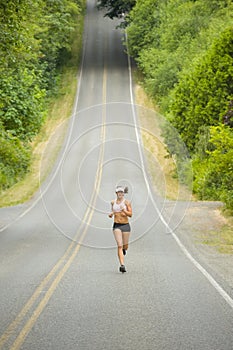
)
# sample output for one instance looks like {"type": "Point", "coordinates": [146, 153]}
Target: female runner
{"type": "Point", "coordinates": [121, 210]}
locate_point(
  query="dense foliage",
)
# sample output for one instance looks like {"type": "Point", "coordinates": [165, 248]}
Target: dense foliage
{"type": "Point", "coordinates": [35, 39]}
{"type": "Point", "coordinates": [15, 158]}
{"type": "Point", "coordinates": [202, 95]}
{"type": "Point", "coordinates": [214, 168]}
{"type": "Point", "coordinates": [184, 48]}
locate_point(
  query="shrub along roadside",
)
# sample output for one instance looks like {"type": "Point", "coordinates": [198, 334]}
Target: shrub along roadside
{"type": "Point", "coordinates": [16, 159]}
{"type": "Point", "coordinates": [214, 171]}
{"type": "Point", "coordinates": [184, 49]}
{"type": "Point", "coordinates": [202, 96]}
{"type": "Point", "coordinates": [59, 107]}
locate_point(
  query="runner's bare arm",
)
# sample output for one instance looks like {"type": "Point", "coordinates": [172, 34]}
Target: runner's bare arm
{"type": "Point", "coordinates": [112, 213]}
{"type": "Point", "coordinates": [128, 210]}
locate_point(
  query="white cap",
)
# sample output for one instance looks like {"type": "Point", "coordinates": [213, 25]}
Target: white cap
{"type": "Point", "coordinates": [120, 189]}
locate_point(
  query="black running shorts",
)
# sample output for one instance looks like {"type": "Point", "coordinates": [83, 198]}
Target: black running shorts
{"type": "Point", "coordinates": [122, 227]}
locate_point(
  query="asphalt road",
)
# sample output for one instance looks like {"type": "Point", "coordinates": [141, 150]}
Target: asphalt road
{"type": "Point", "coordinates": [60, 284]}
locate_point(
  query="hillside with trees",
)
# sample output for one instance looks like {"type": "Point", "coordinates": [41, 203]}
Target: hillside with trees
{"type": "Point", "coordinates": [36, 39]}
{"type": "Point", "coordinates": [184, 49]}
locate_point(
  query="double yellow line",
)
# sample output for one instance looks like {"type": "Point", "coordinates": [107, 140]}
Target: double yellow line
{"type": "Point", "coordinates": [58, 271]}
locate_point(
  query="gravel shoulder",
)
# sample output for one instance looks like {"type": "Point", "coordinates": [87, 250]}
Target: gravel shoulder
{"type": "Point", "coordinates": [200, 230]}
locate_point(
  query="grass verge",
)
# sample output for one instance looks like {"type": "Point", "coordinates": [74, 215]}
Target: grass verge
{"type": "Point", "coordinates": [222, 239]}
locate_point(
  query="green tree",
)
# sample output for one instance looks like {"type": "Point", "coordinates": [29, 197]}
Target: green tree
{"type": "Point", "coordinates": [201, 96]}
{"type": "Point", "coordinates": [213, 174]}
{"type": "Point", "coordinates": [22, 103]}
{"type": "Point", "coordinates": [21, 98]}
{"type": "Point", "coordinates": [14, 159]}
{"type": "Point", "coordinates": [54, 34]}
{"type": "Point", "coordinates": [35, 38]}
{"type": "Point", "coordinates": [144, 21]}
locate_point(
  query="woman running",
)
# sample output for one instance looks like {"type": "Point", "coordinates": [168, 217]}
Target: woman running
{"type": "Point", "coordinates": [121, 210]}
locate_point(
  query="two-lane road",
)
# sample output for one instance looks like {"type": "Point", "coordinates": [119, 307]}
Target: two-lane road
{"type": "Point", "coordinates": [60, 285]}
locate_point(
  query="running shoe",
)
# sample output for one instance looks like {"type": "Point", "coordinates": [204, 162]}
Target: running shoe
{"type": "Point", "coordinates": [124, 251]}
{"type": "Point", "coordinates": [122, 268]}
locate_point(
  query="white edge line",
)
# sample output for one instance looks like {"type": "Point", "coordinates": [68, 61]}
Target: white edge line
{"type": "Point", "coordinates": [214, 283]}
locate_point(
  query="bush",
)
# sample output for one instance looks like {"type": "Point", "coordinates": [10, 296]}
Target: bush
{"type": "Point", "coordinates": [213, 175]}
{"type": "Point", "coordinates": [22, 103]}
{"type": "Point", "coordinates": [36, 39]}
{"type": "Point", "coordinates": [201, 96]}
{"type": "Point", "coordinates": [14, 160]}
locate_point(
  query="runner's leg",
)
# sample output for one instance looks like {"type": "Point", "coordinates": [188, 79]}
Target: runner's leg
{"type": "Point", "coordinates": [125, 240]}
{"type": "Point", "coordinates": [119, 239]}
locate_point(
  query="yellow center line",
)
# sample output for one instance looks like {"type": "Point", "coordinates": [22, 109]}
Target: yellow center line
{"type": "Point", "coordinates": [33, 298]}
{"type": "Point", "coordinates": [32, 320]}
{"type": "Point", "coordinates": [86, 221]}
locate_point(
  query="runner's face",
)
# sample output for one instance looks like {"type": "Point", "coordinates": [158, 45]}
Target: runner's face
{"type": "Point", "coordinates": [120, 195]}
